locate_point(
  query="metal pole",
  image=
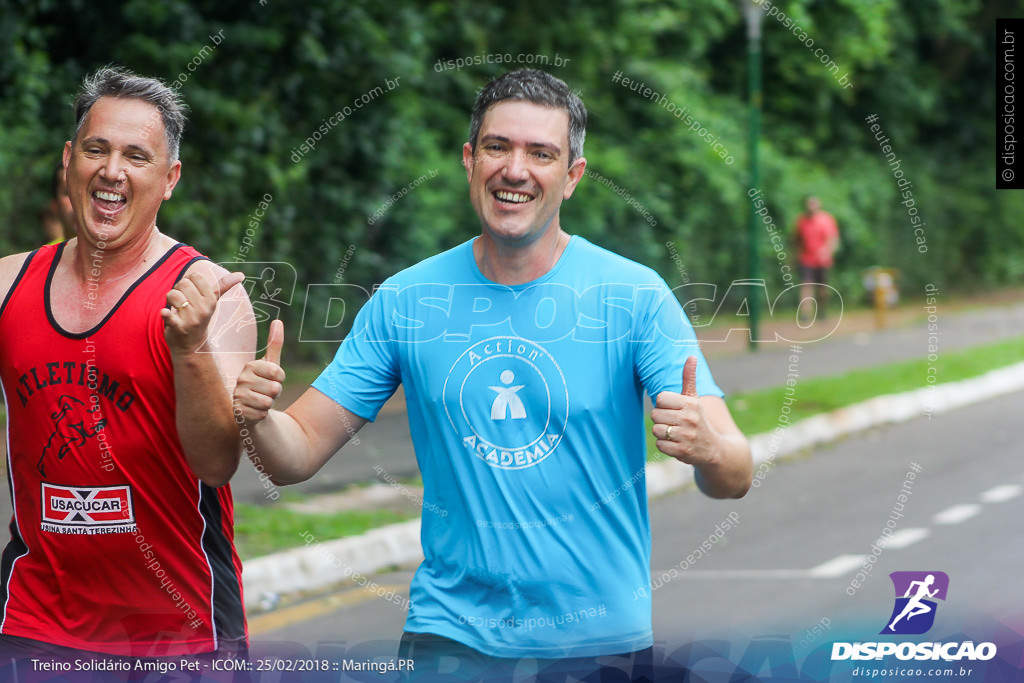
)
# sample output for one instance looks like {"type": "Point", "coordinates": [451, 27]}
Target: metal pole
{"type": "Point", "coordinates": [754, 14]}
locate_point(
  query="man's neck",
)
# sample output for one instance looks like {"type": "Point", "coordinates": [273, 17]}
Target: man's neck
{"type": "Point", "coordinates": [114, 263]}
{"type": "Point", "coordinates": [516, 265]}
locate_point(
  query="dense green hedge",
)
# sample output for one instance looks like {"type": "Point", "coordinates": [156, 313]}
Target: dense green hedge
{"type": "Point", "coordinates": [284, 72]}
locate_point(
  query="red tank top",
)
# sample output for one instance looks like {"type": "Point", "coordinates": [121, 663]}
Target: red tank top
{"type": "Point", "coordinates": [116, 546]}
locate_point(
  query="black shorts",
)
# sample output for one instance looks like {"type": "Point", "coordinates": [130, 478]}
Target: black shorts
{"type": "Point", "coordinates": [813, 275]}
{"type": "Point", "coordinates": [435, 658]}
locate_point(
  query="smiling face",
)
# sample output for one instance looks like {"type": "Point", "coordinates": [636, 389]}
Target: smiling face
{"type": "Point", "coordinates": [520, 175]}
{"type": "Point", "coordinates": [119, 171]}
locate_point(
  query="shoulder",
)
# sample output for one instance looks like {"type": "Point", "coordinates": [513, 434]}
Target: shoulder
{"type": "Point", "coordinates": [214, 274]}
{"type": "Point", "coordinates": [599, 264]}
{"type": "Point", "coordinates": [10, 267]}
{"type": "Point", "coordinates": [200, 264]}
{"type": "Point", "coordinates": [197, 261]}
{"type": "Point", "coordinates": [205, 267]}
{"type": "Point", "coordinates": [233, 323]}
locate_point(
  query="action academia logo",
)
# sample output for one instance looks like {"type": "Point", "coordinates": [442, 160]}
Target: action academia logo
{"type": "Point", "coordinates": [507, 400]}
{"type": "Point", "coordinates": [916, 592]}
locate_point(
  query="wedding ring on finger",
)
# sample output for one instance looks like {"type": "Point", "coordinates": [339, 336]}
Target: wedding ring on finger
{"type": "Point", "coordinates": [668, 433]}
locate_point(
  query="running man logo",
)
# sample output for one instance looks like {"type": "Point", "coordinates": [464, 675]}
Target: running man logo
{"type": "Point", "coordinates": [70, 429]}
{"type": "Point", "coordinates": [916, 592]}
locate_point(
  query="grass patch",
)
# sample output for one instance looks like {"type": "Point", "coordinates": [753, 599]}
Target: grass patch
{"type": "Point", "coordinates": [758, 411]}
{"type": "Point", "coordinates": [260, 529]}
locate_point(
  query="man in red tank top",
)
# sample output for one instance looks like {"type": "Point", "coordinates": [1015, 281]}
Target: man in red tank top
{"type": "Point", "coordinates": [119, 350]}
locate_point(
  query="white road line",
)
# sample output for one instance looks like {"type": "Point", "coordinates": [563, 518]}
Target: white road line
{"type": "Point", "coordinates": [739, 574]}
{"type": "Point", "coordinates": [957, 513]}
{"type": "Point", "coordinates": [837, 566]}
{"type": "Point", "coordinates": [902, 538]}
{"type": "Point", "coordinates": [1001, 494]}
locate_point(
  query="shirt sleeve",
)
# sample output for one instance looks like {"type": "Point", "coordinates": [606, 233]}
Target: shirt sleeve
{"type": "Point", "coordinates": [365, 370]}
{"type": "Point", "coordinates": [665, 340]}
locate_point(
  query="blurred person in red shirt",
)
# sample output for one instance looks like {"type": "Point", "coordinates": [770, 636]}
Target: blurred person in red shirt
{"type": "Point", "coordinates": [817, 237]}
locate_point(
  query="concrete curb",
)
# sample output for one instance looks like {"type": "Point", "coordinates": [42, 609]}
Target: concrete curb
{"type": "Point", "coordinates": [664, 477]}
{"type": "Point", "coordinates": [319, 565]}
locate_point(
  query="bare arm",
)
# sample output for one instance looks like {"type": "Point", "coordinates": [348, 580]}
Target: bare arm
{"type": "Point", "coordinates": [10, 266]}
{"type": "Point", "coordinates": [703, 434]}
{"type": "Point", "coordinates": [211, 333]}
{"type": "Point", "coordinates": [291, 445]}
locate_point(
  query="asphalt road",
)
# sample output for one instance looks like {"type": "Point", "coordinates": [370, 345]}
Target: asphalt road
{"type": "Point", "coordinates": [779, 585]}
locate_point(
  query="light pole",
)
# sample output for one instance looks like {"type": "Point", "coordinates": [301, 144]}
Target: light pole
{"type": "Point", "coordinates": [754, 14]}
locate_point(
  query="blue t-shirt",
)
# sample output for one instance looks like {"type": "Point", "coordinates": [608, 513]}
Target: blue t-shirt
{"type": "Point", "coordinates": [526, 408]}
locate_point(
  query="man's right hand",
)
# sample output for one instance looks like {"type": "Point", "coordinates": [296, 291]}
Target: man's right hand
{"type": "Point", "coordinates": [260, 382]}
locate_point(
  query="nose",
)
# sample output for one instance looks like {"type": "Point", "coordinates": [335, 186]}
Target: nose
{"type": "Point", "coordinates": [114, 170]}
{"type": "Point", "coordinates": [515, 168]}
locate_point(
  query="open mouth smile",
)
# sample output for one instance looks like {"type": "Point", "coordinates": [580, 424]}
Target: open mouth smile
{"type": "Point", "coordinates": [512, 197]}
{"type": "Point", "coordinates": [109, 201]}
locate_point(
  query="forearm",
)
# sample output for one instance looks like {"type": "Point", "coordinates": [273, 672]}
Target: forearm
{"type": "Point", "coordinates": [730, 472]}
{"type": "Point", "coordinates": [208, 433]}
{"type": "Point", "coordinates": [279, 447]}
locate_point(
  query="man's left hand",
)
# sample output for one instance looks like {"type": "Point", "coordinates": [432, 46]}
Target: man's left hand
{"type": "Point", "coordinates": [680, 426]}
{"type": "Point", "coordinates": [192, 304]}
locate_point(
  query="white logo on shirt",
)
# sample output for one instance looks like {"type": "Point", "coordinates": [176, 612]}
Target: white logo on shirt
{"type": "Point", "coordinates": [514, 422]}
{"type": "Point", "coordinates": [506, 399]}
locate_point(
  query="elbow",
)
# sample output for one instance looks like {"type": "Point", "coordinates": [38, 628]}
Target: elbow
{"type": "Point", "coordinates": [746, 479]}
{"type": "Point", "coordinates": [746, 482]}
{"type": "Point", "coordinates": [743, 489]}
{"type": "Point", "coordinates": [212, 466]}
{"type": "Point", "coordinates": [724, 492]}
{"type": "Point", "coordinates": [215, 482]}
{"type": "Point", "coordinates": [216, 477]}
{"type": "Point", "coordinates": [281, 479]}
{"type": "Point", "coordinates": [732, 478]}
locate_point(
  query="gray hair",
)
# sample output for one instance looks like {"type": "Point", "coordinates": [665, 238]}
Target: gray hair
{"type": "Point", "coordinates": [115, 81]}
{"type": "Point", "coordinates": [537, 87]}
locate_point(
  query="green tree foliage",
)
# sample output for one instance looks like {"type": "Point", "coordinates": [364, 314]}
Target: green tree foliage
{"type": "Point", "coordinates": [374, 87]}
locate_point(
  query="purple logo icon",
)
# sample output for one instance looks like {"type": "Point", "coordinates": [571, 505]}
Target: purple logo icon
{"type": "Point", "coordinates": [916, 593]}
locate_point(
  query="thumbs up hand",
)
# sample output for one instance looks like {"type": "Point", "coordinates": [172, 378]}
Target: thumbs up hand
{"type": "Point", "coordinates": [191, 305]}
{"type": "Point", "coordinates": [690, 377]}
{"type": "Point", "coordinates": [680, 426]}
{"type": "Point", "coordinates": [261, 380]}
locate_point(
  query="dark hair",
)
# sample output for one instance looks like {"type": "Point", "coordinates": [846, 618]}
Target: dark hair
{"type": "Point", "coordinates": [537, 87]}
{"type": "Point", "coordinates": [115, 81]}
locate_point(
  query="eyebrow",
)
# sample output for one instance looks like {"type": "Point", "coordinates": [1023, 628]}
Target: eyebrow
{"type": "Point", "coordinates": [500, 138]}
{"type": "Point", "coordinates": [130, 147]}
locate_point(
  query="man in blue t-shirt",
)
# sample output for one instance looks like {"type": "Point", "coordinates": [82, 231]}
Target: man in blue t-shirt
{"type": "Point", "coordinates": [524, 354]}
